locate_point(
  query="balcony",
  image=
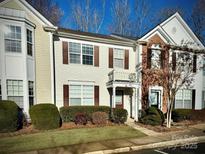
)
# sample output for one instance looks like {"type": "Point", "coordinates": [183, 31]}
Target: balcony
{"type": "Point", "coordinates": [121, 76]}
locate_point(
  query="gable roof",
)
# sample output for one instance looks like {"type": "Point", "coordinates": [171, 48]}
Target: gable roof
{"type": "Point", "coordinates": [31, 9]}
{"type": "Point", "coordinates": [166, 36]}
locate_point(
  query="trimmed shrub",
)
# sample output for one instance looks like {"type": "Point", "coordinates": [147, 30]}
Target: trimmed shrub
{"type": "Point", "coordinates": [68, 113]}
{"type": "Point", "coordinates": [181, 114]}
{"type": "Point", "coordinates": [45, 116]}
{"type": "Point", "coordinates": [81, 119]}
{"type": "Point", "coordinates": [153, 116]}
{"type": "Point", "coordinates": [10, 116]}
{"type": "Point", "coordinates": [119, 115]}
{"type": "Point", "coordinates": [100, 118]}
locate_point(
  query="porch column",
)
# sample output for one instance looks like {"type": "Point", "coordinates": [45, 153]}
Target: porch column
{"type": "Point", "coordinates": [113, 96]}
{"type": "Point", "coordinates": [136, 104]}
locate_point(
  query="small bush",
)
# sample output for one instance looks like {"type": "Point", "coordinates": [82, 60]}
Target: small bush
{"type": "Point", "coordinates": [181, 114]}
{"type": "Point", "coordinates": [45, 116]}
{"type": "Point", "coordinates": [10, 116]}
{"type": "Point", "coordinates": [68, 113]}
{"type": "Point", "coordinates": [153, 117]}
{"type": "Point", "coordinates": [99, 118]}
{"type": "Point", "coordinates": [81, 119]}
{"type": "Point", "coordinates": [119, 115]}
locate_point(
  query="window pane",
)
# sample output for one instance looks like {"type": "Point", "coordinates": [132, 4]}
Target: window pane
{"type": "Point", "coordinates": [14, 88]}
{"type": "Point", "coordinates": [17, 99]}
{"type": "Point", "coordinates": [187, 95]}
{"type": "Point", "coordinates": [88, 91]}
{"type": "Point", "coordinates": [75, 101]}
{"type": "Point", "coordinates": [74, 47]}
{"type": "Point", "coordinates": [88, 60]}
{"type": "Point", "coordinates": [75, 58]}
{"type": "Point", "coordinates": [87, 54]}
{"type": "Point", "coordinates": [12, 36]}
{"type": "Point", "coordinates": [88, 101]}
{"type": "Point", "coordinates": [179, 95]}
{"type": "Point", "coordinates": [75, 91]}
{"type": "Point", "coordinates": [118, 63]}
{"type": "Point", "coordinates": [118, 58]}
{"type": "Point", "coordinates": [156, 59]}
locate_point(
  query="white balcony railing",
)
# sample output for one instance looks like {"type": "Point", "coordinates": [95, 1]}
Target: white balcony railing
{"type": "Point", "coordinates": [116, 75]}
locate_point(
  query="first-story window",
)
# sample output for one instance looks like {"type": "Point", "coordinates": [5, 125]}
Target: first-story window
{"type": "Point", "coordinates": [0, 91]}
{"type": "Point", "coordinates": [31, 93]}
{"type": "Point", "coordinates": [203, 99]}
{"type": "Point", "coordinates": [118, 58]}
{"type": "Point", "coordinates": [15, 91]}
{"type": "Point", "coordinates": [183, 99]}
{"type": "Point", "coordinates": [12, 37]}
{"type": "Point", "coordinates": [81, 95]}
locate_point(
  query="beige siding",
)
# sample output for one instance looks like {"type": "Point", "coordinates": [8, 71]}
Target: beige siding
{"type": "Point", "coordinates": [42, 57]}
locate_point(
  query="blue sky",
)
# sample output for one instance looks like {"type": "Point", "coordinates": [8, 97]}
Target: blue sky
{"type": "Point", "coordinates": [156, 5]}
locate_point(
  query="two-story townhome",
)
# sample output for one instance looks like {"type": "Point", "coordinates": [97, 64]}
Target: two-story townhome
{"type": "Point", "coordinates": [25, 55]}
{"type": "Point", "coordinates": [153, 49]}
{"type": "Point", "coordinates": [41, 63]}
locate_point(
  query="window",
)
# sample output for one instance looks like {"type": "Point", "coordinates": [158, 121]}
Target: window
{"type": "Point", "coordinates": [118, 58]}
{"type": "Point", "coordinates": [87, 54]}
{"type": "Point", "coordinates": [15, 91]}
{"type": "Point", "coordinates": [29, 43]}
{"type": "Point", "coordinates": [204, 67]}
{"type": "Point", "coordinates": [183, 99]}
{"type": "Point", "coordinates": [81, 95]}
{"type": "Point", "coordinates": [12, 38]}
{"type": "Point", "coordinates": [31, 93]}
{"type": "Point", "coordinates": [81, 53]}
{"type": "Point", "coordinates": [75, 52]}
{"type": "Point", "coordinates": [0, 91]}
{"type": "Point", "coordinates": [203, 99]}
{"type": "Point", "coordinates": [155, 58]}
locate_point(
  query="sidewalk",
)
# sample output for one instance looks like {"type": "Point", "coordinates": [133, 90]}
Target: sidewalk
{"type": "Point", "coordinates": [192, 134]}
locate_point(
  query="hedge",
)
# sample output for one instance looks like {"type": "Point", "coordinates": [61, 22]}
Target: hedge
{"type": "Point", "coordinates": [45, 116]}
{"type": "Point", "coordinates": [119, 115]}
{"type": "Point", "coordinates": [100, 118]}
{"type": "Point", "coordinates": [68, 113]}
{"type": "Point", "coordinates": [153, 116]}
{"type": "Point", "coordinates": [11, 116]}
{"type": "Point", "coordinates": [181, 114]}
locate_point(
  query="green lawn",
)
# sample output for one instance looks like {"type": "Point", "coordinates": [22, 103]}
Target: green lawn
{"type": "Point", "coordinates": [57, 138]}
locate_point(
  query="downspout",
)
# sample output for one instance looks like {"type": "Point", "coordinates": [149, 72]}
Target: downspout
{"type": "Point", "coordinates": [53, 31]}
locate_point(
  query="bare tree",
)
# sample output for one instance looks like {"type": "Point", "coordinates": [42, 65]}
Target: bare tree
{"type": "Point", "coordinates": [121, 20]}
{"type": "Point", "coordinates": [165, 13]}
{"type": "Point", "coordinates": [179, 73]}
{"type": "Point", "coordinates": [86, 16]}
{"type": "Point", "coordinates": [141, 17]}
{"type": "Point", "coordinates": [198, 20]}
{"type": "Point", "coordinates": [49, 9]}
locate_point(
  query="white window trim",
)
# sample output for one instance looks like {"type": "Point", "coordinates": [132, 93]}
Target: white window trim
{"type": "Point", "coordinates": [123, 62]}
{"type": "Point", "coordinates": [31, 29]}
{"type": "Point", "coordinates": [183, 97]}
{"type": "Point", "coordinates": [81, 54]}
{"type": "Point", "coordinates": [81, 84]}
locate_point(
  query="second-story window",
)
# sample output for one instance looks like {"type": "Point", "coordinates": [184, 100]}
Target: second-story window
{"type": "Point", "coordinates": [12, 36]}
{"type": "Point", "coordinates": [155, 58]}
{"type": "Point", "coordinates": [80, 53]}
{"type": "Point", "coordinates": [29, 42]}
{"type": "Point", "coordinates": [118, 58]}
{"type": "Point", "coordinates": [87, 54]}
{"type": "Point", "coordinates": [75, 53]}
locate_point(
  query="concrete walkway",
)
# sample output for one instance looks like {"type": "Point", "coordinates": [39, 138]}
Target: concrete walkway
{"type": "Point", "coordinates": [131, 123]}
{"type": "Point", "coordinates": [191, 134]}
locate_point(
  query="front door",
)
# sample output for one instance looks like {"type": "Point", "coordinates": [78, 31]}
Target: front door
{"type": "Point", "coordinates": [119, 99]}
{"type": "Point", "coordinates": [155, 98]}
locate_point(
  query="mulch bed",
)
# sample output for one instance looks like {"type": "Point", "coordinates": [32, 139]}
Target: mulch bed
{"type": "Point", "coordinates": [179, 126]}
{"type": "Point", "coordinates": [29, 129]}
